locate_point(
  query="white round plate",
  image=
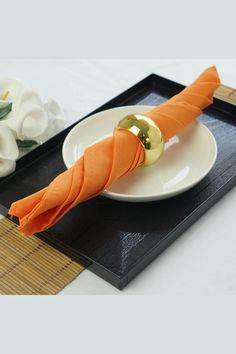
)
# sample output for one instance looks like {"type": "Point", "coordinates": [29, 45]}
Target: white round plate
{"type": "Point", "coordinates": [187, 158]}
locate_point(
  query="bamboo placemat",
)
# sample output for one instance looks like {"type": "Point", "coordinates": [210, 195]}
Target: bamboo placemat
{"type": "Point", "coordinates": [226, 93]}
{"type": "Point", "coordinates": [29, 266]}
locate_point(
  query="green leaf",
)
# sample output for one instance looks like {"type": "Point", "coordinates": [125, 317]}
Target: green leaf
{"type": "Point", "coordinates": [5, 108]}
{"type": "Point", "coordinates": [24, 144]}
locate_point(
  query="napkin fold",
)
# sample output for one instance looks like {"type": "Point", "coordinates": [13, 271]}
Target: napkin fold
{"type": "Point", "coordinates": [111, 158]}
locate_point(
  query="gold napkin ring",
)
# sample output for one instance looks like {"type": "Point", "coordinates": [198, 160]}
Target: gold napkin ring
{"type": "Point", "coordinates": [146, 130]}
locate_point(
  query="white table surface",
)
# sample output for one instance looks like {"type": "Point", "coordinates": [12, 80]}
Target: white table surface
{"type": "Point", "coordinates": [202, 261]}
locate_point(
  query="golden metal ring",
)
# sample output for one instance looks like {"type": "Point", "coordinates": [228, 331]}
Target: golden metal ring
{"type": "Point", "coordinates": [146, 130]}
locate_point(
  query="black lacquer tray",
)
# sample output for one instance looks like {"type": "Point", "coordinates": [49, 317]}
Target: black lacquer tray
{"type": "Point", "coordinates": [116, 240]}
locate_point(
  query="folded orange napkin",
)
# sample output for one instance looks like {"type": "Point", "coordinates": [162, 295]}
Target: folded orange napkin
{"type": "Point", "coordinates": [111, 158]}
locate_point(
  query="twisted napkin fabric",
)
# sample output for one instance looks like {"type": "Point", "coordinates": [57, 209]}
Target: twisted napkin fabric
{"type": "Point", "coordinates": [111, 158]}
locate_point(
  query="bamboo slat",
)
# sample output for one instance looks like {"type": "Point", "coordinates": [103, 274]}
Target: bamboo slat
{"type": "Point", "coordinates": [29, 266]}
{"type": "Point", "coordinates": [226, 93]}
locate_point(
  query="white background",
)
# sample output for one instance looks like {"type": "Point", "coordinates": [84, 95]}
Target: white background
{"type": "Point", "coordinates": [117, 29]}
{"type": "Point", "coordinates": [202, 261]}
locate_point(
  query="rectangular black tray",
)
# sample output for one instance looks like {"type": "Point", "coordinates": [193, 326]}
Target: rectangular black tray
{"type": "Point", "coordinates": [116, 240]}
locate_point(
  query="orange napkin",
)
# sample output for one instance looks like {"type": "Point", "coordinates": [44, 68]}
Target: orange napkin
{"type": "Point", "coordinates": [113, 157]}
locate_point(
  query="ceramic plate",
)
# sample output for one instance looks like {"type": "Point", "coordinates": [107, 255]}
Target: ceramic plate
{"type": "Point", "coordinates": [187, 158]}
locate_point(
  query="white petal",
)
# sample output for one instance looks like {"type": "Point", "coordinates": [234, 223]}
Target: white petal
{"type": "Point", "coordinates": [30, 96]}
{"type": "Point", "coordinates": [28, 118]}
{"type": "Point", "coordinates": [55, 125]}
{"type": "Point", "coordinates": [30, 122]}
{"type": "Point", "coordinates": [56, 121]}
{"type": "Point", "coordinates": [15, 88]}
{"type": "Point", "coordinates": [8, 147]}
{"type": "Point", "coordinates": [51, 106]}
{"type": "Point", "coordinates": [7, 167]}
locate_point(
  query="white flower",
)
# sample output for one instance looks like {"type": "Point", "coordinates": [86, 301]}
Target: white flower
{"type": "Point", "coordinates": [28, 118]}
{"type": "Point", "coordinates": [7, 167]}
{"type": "Point", "coordinates": [8, 150]}
{"type": "Point", "coordinates": [56, 120]}
{"type": "Point", "coordinates": [8, 147]}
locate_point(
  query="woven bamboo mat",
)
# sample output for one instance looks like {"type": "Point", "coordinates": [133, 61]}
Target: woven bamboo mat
{"type": "Point", "coordinates": [226, 93]}
{"type": "Point", "coordinates": [29, 266]}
